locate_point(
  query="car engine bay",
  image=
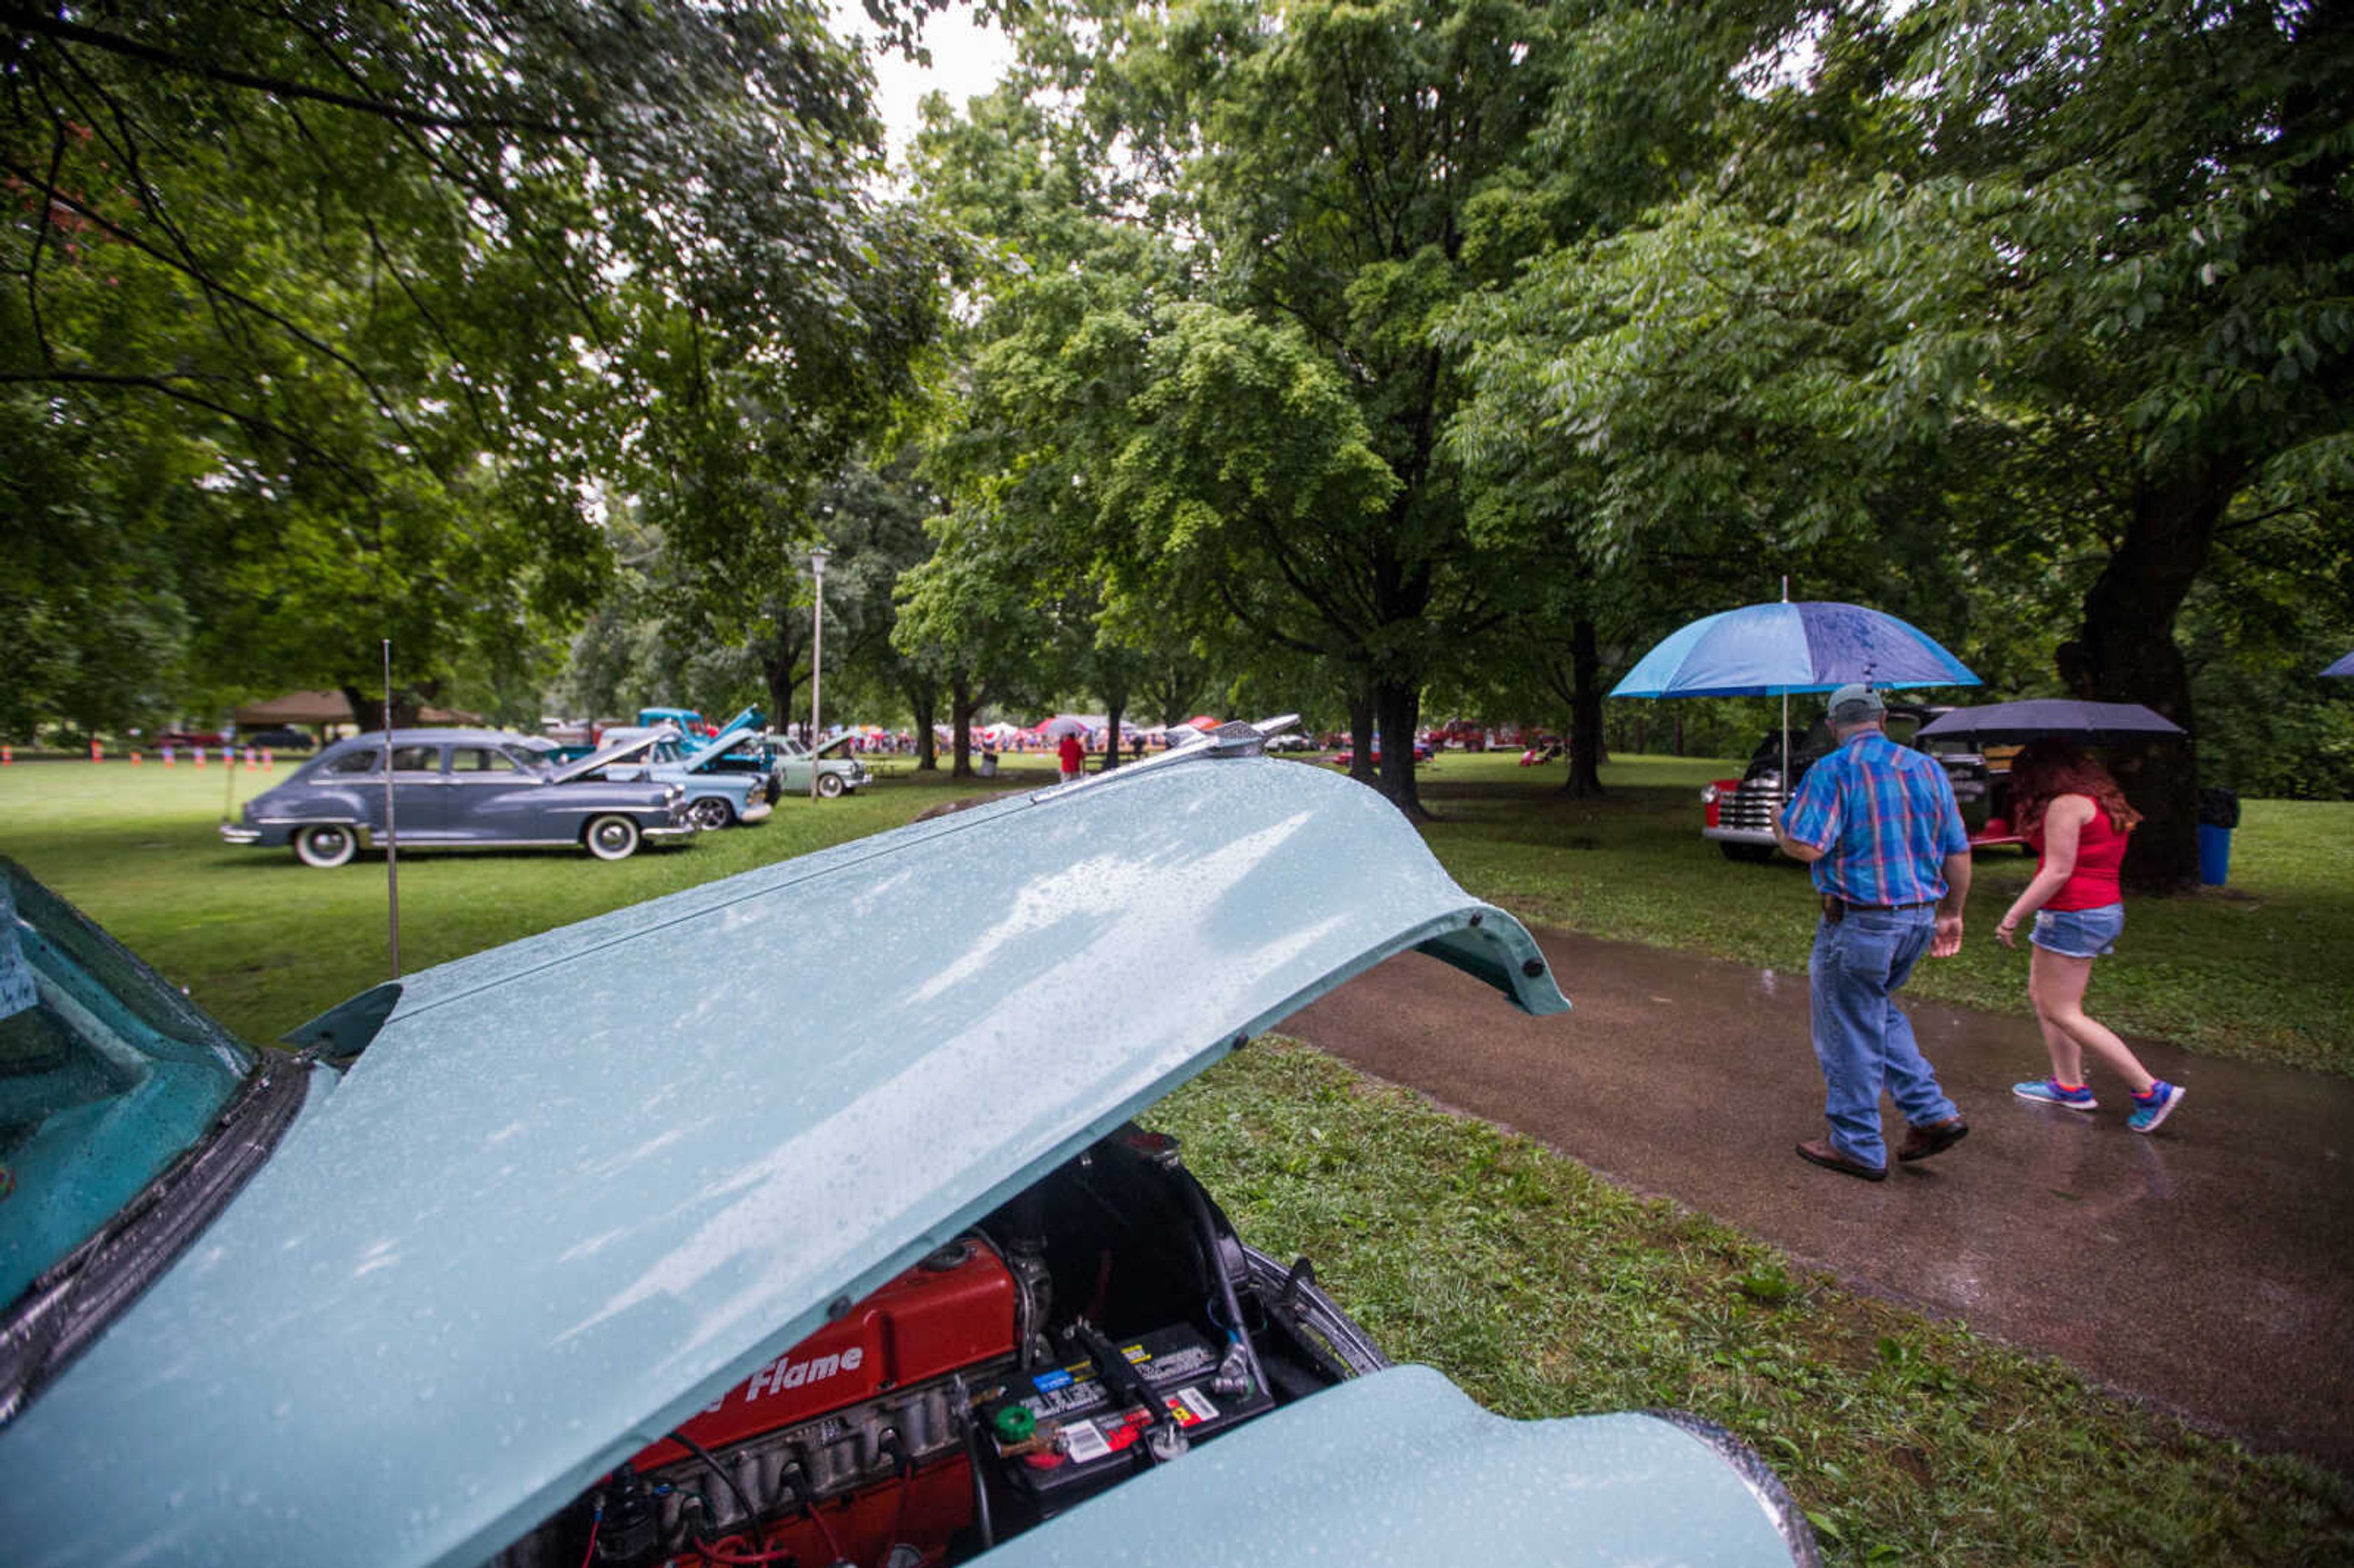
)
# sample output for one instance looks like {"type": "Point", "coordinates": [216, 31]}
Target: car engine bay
{"type": "Point", "coordinates": [1102, 1322]}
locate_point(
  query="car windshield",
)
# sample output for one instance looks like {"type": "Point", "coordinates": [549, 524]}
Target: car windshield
{"type": "Point", "coordinates": [1805, 744]}
{"type": "Point", "coordinates": [107, 1075]}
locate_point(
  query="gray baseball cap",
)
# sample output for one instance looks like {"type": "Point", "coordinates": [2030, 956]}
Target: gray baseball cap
{"type": "Point", "coordinates": [1854, 704]}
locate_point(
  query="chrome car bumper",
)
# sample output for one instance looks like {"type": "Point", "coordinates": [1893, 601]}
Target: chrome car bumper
{"type": "Point", "coordinates": [673, 831]}
{"type": "Point", "coordinates": [1739, 835]}
{"type": "Point", "coordinates": [754, 810]}
{"type": "Point", "coordinates": [236, 833]}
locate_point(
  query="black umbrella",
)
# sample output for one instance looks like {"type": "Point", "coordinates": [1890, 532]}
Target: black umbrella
{"type": "Point", "coordinates": [2091, 724]}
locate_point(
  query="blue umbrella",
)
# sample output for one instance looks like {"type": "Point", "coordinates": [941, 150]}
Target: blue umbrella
{"type": "Point", "coordinates": [1774, 650]}
{"type": "Point", "coordinates": [2344, 667]}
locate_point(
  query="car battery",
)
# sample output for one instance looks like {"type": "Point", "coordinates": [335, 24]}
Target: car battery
{"type": "Point", "coordinates": [1083, 1435]}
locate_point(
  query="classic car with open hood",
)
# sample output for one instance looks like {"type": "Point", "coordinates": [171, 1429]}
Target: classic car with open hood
{"type": "Point", "coordinates": [513, 1262]}
{"type": "Point", "coordinates": [715, 798]}
{"type": "Point", "coordinates": [461, 789]}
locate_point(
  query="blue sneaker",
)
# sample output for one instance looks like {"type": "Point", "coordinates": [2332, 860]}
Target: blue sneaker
{"type": "Point", "coordinates": [2154, 1108]}
{"type": "Point", "coordinates": [2051, 1092]}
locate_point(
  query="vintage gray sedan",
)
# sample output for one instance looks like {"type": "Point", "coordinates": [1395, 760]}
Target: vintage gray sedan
{"type": "Point", "coordinates": [457, 787]}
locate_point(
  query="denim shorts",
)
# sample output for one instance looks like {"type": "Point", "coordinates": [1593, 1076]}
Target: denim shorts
{"type": "Point", "coordinates": [2079, 932]}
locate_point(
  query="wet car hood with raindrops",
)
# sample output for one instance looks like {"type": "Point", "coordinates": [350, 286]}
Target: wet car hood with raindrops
{"type": "Point", "coordinates": [547, 1212]}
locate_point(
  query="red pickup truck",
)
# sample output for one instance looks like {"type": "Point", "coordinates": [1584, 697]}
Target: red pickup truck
{"type": "Point", "coordinates": [1738, 813]}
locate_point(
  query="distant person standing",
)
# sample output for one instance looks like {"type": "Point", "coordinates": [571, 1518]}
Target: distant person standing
{"type": "Point", "coordinates": [1880, 826]}
{"type": "Point", "coordinates": [1073, 755]}
{"type": "Point", "coordinates": [2075, 815]}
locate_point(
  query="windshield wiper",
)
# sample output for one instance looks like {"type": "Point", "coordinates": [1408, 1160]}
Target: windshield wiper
{"type": "Point", "coordinates": [71, 1301]}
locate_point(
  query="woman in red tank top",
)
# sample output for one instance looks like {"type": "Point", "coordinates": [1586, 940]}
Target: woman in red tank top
{"type": "Point", "coordinates": [2076, 817]}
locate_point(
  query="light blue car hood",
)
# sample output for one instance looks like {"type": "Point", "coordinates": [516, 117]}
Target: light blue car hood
{"type": "Point", "coordinates": [732, 733]}
{"type": "Point", "coordinates": [550, 1213]}
{"type": "Point", "coordinates": [1400, 1469]}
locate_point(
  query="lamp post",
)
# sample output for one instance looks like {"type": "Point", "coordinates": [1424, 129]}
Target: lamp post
{"type": "Point", "coordinates": [817, 656]}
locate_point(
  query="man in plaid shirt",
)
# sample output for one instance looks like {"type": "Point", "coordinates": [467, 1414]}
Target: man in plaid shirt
{"type": "Point", "coordinates": [1891, 860]}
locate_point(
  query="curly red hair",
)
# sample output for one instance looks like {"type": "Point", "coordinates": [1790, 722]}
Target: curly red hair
{"type": "Point", "coordinates": [2046, 770]}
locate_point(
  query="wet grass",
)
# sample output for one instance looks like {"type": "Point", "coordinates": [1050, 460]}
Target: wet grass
{"type": "Point", "coordinates": [1545, 1291]}
{"type": "Point", "coordinates": [2254, 969]}
{"type": "Point", "coordinates": [264, 943]}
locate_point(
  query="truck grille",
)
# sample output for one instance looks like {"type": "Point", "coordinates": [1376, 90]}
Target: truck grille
{"type": "Point", "coordinates": [1751, 806]}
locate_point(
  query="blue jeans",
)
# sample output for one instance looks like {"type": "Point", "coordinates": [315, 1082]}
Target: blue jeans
{"type": "Point", "coordinates": [1861, 1041]}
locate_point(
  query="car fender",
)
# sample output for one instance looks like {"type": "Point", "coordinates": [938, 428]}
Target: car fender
{"type": "Point", "coordinates": [1400, 1467]}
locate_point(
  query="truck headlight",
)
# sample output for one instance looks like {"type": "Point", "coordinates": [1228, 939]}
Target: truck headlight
{"type": "Point", "coordinates": [1708, 794]}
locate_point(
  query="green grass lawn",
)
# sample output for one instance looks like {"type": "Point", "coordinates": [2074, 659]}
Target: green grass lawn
{"type": "Point", "coordinates": [1545, 1291]}
{"type": "Point", "coordinates": [1541, 1288]}
{"type": "Point", "coordinates": [2258, 969]}
{"type": "Point", "coordinates": [264, 943]}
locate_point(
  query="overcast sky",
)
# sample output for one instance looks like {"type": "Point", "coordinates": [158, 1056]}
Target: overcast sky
{"type": "Point", "coordinates": [966, 61]}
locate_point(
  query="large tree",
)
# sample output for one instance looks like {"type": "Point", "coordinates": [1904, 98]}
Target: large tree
{"type": "Point", "coordinates": [1338, 174]}
{"type": "Point", "coordinates": [1963, 282]}
{"type": "Point", "coordinates": [405, 276]}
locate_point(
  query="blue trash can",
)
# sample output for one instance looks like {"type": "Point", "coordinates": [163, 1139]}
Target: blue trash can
{"type": "Point", "coordinates": [2219, 813]}
{"type": "Point", "coordinates": [2214, 854]}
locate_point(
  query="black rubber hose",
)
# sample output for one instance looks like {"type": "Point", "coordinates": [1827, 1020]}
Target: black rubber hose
{"type": "Point", "coordinates": [1213, 1255]}
{"type": "Point", "coordinates": [975, 1457]}
{"type": "Point", "coordinates": [751, 1514]}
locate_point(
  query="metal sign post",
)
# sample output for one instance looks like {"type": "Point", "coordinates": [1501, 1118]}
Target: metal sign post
{"type": "Point", "coordinates": [817, 658]}
{"type": "Point", "coordinates": [391, 830]}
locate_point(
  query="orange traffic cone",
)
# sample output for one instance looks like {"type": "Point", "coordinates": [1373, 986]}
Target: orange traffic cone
{"type": "Point", "coordinates": [95, 754]}
{"type": "Point", "coordinates": [252, 761]}
{"type": "Point", "coordinates": [7, 756]}
{"type": "Point", "coordinates": [135, 757]}
{"type": "Point", "coordinates": [167, 757]}
{"type": "Point", "coordinates": [200, 756]}
{"type": "Point", "coordinates": [269, 762]}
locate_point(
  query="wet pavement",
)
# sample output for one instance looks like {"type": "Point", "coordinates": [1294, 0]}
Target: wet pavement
{"type": "Point", "coordinates": [2208, 1268]}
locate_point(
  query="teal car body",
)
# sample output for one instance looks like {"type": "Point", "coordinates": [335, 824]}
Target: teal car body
{"type": "Point", "coordinates": [714, 798]}
{"type": "Point", "coordinates": [515, 1217]}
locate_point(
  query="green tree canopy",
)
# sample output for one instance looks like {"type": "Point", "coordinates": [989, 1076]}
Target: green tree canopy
{"type": "Point", "coordinates": [392, 283]}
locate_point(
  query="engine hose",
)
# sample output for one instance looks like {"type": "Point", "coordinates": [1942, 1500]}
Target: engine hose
{"type": "Point", "coordinates": [975, 1459]}
{"type": "Point", "coordinates": [1214, 1256]}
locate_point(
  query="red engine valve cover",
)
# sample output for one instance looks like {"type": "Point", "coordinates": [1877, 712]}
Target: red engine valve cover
{"type": "Point", "coordinates": [929, 1323]}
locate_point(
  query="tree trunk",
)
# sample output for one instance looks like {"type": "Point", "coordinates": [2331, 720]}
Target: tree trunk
{"type": "Point", "coordinates": [1399, 704]}
{"type": "Point", "coordinates": [781, 670]}
{"type": "Point", "coordinates": [924, 702]}
{"type": "Point", "coordinates": [1585, 712]}
{"type": "Point", "coordinates": [2125, 653]}
{"type": "Point", "coordinates": [368, 708]}
{"type": "Point", "coordinates": [1361, 737]}
{"type": "Point", "coordinates": [784, 684]}
{"type": "Point", "coordinates": [963, 703]}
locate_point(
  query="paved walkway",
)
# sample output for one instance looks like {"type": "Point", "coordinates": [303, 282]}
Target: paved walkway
{"type": "Point", "coordinates": [2208, 1268]}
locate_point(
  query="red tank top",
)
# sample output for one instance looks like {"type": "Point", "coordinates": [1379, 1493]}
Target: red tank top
{"type": "Point", "coordinates": [2100, 850]}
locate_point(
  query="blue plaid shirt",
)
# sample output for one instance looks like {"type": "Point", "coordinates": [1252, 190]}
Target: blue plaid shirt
{"type": "Point", "coordinates": [1885, 818]}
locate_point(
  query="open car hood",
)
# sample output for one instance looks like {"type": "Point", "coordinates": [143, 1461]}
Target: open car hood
{"type": "Point", "coordinates": [622, 751]}
{"type": "Point", "coordinates": [732, 733]}
{"type": "Point", "coordinates": [550, 1213]}
{"type": "Point", "coordinates": [836, 744]}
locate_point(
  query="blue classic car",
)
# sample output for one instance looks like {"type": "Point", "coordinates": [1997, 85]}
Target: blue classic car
{"type": "Point", "coordinates": [510, 1262]}
{"type": "Point", "coordinates": [713, 799]}
{"type": "Point", "coordinates": [459, 789]}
